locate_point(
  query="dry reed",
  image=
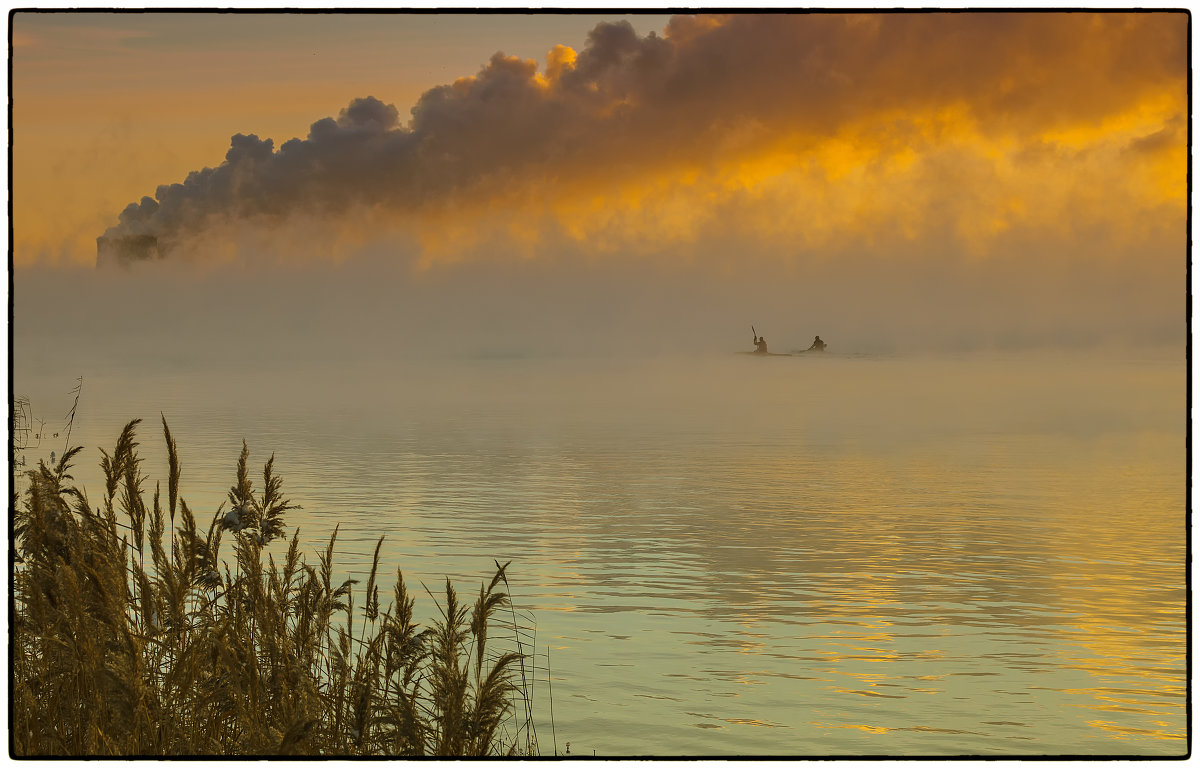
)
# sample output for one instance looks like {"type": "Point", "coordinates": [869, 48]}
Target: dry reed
{"type": "Point", "coordinates": [133, 634]}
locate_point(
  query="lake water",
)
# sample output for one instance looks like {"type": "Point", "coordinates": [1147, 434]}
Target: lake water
{"type": "Point", "coordinates": [818, 555]}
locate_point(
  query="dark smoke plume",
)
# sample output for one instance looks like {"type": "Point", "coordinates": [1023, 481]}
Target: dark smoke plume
{"type": "Point", "coordinates": [628, 104]}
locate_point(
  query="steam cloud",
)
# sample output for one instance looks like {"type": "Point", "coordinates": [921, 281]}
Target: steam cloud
{"type": "Point", "coordinates": [627, 104]}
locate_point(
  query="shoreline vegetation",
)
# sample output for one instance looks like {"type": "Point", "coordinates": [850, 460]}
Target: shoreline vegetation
{"type": "Point", "coordinates": [134, 634]}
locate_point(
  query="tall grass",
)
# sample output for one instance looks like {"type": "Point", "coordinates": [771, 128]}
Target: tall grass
{"type": "Point", "coordinates": [138, 630]}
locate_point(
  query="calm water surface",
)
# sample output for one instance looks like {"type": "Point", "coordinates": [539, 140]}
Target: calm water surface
{"type": "Point", "coordinates": [793, 556]}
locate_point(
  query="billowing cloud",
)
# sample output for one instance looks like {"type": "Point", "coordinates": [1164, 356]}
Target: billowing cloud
{"type": "Point", "coordinates": [823, 128]}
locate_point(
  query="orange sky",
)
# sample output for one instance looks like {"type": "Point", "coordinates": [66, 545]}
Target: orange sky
{"type": "Point", "coordinates": [109, 106]}
{"type": "Point", "coordinates": [808, 135]}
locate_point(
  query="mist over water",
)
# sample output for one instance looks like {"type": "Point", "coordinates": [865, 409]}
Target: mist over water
{"type": "Point", "coordinates": [383, 304]}
{"type": "Point", "coordinates": [873, 551]}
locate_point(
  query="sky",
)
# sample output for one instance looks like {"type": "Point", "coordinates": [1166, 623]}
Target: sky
{"type": "Point", "coordinates": [945, 179]}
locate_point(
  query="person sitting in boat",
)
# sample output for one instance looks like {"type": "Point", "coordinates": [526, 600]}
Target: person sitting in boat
{"type": "Point", "coordinates": [760, 344]}
{"type": "Point", "coordinates": [817, 344]}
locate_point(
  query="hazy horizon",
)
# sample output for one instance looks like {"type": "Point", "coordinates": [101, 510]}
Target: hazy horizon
{"type": "Point", "coordinates": [363, 309]}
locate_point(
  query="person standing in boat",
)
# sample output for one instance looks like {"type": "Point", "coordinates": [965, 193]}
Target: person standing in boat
{"type": "Point", "coordinates": [817, 345]}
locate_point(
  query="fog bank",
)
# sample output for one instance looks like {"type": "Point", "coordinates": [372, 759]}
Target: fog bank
{"type": "Point", "coordinates": [380, 305]}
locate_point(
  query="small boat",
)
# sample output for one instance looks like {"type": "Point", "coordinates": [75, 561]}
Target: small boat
{"type": "Point", "coordinates": [765, 354]}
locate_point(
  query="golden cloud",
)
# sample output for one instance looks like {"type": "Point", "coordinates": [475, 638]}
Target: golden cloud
{"type": "Point", "coordinates": [810, 131]}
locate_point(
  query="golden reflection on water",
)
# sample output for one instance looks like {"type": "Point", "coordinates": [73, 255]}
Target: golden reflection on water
{"type": "Point", "coordinates": [859, 578]}
{"type": "Point", "coordinates": [1119, 732]}
{"type": "Point", "coordinates": [862, 727]}
{"type": "Point", "coordinates": [1000, 578]}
